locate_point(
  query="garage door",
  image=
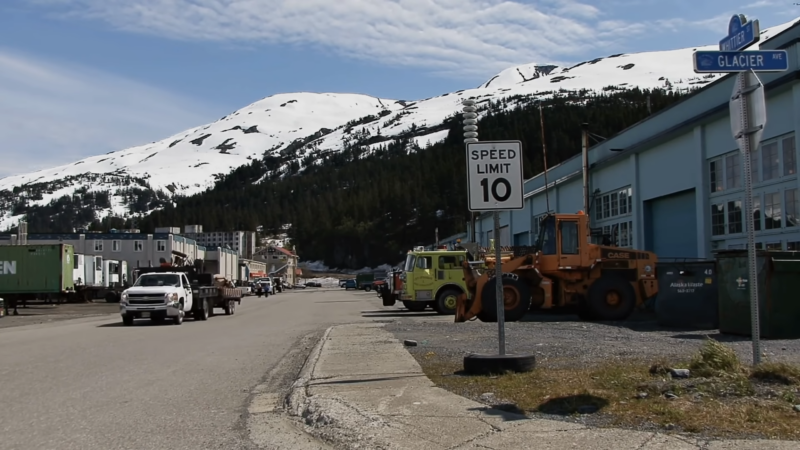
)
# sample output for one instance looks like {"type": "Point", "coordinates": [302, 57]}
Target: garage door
{"type": "Point", "coordinates": [671, 225]}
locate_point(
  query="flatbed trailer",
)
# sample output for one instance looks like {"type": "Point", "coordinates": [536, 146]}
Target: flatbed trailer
{"type": "Point", "coordinates": [226, 298]}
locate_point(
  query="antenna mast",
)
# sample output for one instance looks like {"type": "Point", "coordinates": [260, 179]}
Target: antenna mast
{"type": "Point", "coordinates": [544, 157]}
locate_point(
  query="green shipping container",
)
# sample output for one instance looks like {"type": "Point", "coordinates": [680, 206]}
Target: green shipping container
{"type": "Point", "coordinates": [36, 269]}
{"type": "Point", "coordinates": [778, 287]}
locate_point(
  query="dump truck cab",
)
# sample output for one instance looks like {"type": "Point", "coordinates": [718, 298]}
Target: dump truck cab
{"type": "Point", "coordinates": [433, 278]}
{"type": "Point", "coordinates": [563, 269]}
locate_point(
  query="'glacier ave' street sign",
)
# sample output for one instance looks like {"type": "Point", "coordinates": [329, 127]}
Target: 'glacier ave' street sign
{"type": "Point", "coordinates": [710, 61]}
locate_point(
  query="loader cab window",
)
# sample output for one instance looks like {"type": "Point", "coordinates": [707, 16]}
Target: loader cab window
{"type": "Point", "coordinates": [547, 236]}
{"type": "Point", "coordinates": [569, 237]}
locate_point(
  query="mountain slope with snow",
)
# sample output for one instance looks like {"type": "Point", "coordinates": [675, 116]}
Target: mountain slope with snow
{"type": "Point", "coordinates": [305, 128]}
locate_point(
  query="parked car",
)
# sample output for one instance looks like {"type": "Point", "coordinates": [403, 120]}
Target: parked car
{"type": "Point", "coordinates": [314, 284]}
{"type": "Point", "coordinates": [350, 284]}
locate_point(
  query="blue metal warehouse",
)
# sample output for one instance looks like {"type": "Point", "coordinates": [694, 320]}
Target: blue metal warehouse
{"type": "Point", "coordinates": [673, 184]}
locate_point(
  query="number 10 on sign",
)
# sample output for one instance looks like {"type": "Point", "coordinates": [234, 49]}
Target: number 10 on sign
{"type": "Point", "coordinates": [494, 175]}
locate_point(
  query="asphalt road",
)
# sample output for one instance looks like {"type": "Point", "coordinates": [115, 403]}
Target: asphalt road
{"type": "Point", "coordinates": [93, 384]}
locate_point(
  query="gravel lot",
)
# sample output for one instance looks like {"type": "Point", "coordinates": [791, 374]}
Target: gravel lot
{"type": "Point", "coordinates": [38, 312]}
{"type": "Point", "coordinates": [562, 340]}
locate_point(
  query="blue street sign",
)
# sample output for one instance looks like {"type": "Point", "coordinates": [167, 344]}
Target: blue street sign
{"type": "Point", "coordinates": [741, 34]}
{"type": "Point", "coordinates": [710, 61]}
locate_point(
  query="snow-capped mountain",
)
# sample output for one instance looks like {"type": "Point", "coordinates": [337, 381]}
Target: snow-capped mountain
{"type": "Point", "coordinates": [308, 126]}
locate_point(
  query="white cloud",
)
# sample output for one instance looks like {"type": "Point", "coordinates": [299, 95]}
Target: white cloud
{"type": "Point", "coordinates": [465, 38]}
{"type": "Point", "coordinates": [53, 114]}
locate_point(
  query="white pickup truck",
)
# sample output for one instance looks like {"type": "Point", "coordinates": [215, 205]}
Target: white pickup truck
{"type": "Point", "coordinates": [157, 296]}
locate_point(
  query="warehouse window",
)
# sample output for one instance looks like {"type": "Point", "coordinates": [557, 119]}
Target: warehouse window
{"type": "Point", "coordinates": [776, 245]}
{"type": "Point", "coordinates": [757, 213]}
{"type": "Point", "coordinates": [717, 220]}
{"type": "Point", "coordinates": [733, 172]}
{"type": "Point", "coordinates": [613, 204]}
{"type": "Point", "coordinates": [161, 246]}
{"type": "Point", "coordinates": [769, 160]}
{"type": "Point", "coordinates": [789, 157]}
{"type": "Point", "coordinates": [793, 246]}
{"type": "Point", "coordinates": [735, 217]}
{"type": "Point", "coordinates": [715, 175]}
{"type": "Point", "coordinates": [116, 246]}
{"type": "Point", "coordinates": [98, 246]}
{"type": "Point", "coordinates": [792, 207]}
{"type": "Point", "coordinates": [626, 234]}
{"type": "Point", "coordinates": [772, 211]}
{"type": "Point", "coordinates": [137, 246]}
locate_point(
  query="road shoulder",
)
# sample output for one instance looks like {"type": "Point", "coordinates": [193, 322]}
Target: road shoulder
{"type": "Point", "coordinates": [266, 420]}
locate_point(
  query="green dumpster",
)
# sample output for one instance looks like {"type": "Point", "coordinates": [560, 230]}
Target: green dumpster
{"type": "Point", "coordinates": [778, 287]}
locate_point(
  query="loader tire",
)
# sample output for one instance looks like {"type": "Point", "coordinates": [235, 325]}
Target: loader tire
{"type": "Point", "coordinates": [611, 299]}
{"type": "Point", "coordinates": [475, 364]}
{"type": "Point", "coordinates": [516, 296]}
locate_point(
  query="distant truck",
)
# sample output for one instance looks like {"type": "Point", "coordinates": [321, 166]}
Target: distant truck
{"type": "Point", "coordinates": [30, 272]}
{"type": "Point", "coordinates": [172, 292]}
{"type": "Point", "coordinates": [364, 281]}
{"type": "Point", "coordinates": [433, 278]}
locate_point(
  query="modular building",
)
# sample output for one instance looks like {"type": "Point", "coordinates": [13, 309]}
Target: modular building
{"type": "Point", "coordinates": [673, 183]}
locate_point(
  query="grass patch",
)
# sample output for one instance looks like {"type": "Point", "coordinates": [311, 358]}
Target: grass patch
{"type": "Point", "coordinates": [721, 398]}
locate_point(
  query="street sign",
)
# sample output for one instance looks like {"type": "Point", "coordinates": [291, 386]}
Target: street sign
{"type": "Point", "coordinates": [711, 61]}
{"type": "Point", "coordinates": [494, 175]}
{"type": "Point", "coordinates": [756, 111]}
{"type": "Point", "coordinates": [741, 34]}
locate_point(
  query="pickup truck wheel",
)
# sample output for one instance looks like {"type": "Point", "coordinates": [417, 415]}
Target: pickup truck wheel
{"type": "Point", "coordinates": [177, 320]}
{"type": "Point", "coordinates": [368, 288]}
{"type": "Point", "coordinates": [202, 314]}
{"type": "Point", "coordinates": [127, 320]}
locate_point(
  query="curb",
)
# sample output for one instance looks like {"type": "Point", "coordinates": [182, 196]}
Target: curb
{"type": "Point", "coordinates": [296, 400]}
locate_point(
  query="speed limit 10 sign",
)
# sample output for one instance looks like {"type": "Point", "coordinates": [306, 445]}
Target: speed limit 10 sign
{"type": "Point", "coordinates": [494, 175]}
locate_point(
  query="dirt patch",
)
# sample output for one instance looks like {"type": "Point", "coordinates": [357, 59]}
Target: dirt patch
{"type": "Point", "coordinates": [710, 392]}
{"type": "Point", "coordinates": [37, 313]}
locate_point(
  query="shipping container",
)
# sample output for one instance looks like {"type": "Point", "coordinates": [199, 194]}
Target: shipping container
{"type": "Point", "coordinates": [778, 285]}
{"type": "Point", "coordinates": [687, 294]}
{"type": "Point", "coordinates": [36, 269]}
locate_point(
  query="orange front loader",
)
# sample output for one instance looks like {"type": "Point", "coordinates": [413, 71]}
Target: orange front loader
{"type": "Point", "coordinates": [604, 282]}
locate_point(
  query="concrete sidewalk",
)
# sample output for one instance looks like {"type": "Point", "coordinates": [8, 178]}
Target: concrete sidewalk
{"type": "Point", "coordinates": [361, 389]}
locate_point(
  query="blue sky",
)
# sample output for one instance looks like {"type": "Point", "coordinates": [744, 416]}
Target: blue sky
{"type": "Point", "coordinates": [85, 77]}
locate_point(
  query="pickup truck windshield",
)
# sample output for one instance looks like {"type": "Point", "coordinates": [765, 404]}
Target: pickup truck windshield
{"type": "Point", "coordinates": [158, 280]}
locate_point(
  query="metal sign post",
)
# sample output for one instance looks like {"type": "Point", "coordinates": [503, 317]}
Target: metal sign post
{"type": "Point", "coordinates": [495, 183]}
{"type": "Point", "coordinates": [748, 112]}
{"type": "Point", "coordinates": [748, 109]}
